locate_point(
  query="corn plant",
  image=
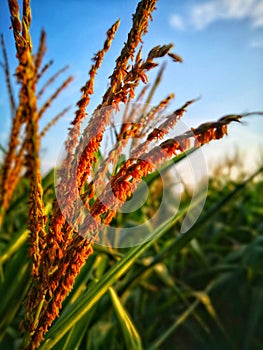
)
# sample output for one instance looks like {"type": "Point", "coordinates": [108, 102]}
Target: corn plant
{"type": "Point", "coordinates": [54, 253]}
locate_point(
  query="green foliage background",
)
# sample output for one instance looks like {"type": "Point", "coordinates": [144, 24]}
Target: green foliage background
{"type": "Point", "coordinates": [200, 290]}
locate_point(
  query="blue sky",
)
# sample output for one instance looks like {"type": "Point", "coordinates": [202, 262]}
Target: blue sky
{"type": "Point", "coordinates": [220, 41]}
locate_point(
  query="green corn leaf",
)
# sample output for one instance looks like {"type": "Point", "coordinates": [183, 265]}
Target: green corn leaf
{"type": "Point", "coordinates": [178, 322]}
{"type": "Point", "coordinates": [14, 288]}
{"type": "Point", "coordinates": [130, 333]}
{"type": "Point", "coordinates": [2, 149]}
{"type": "Point", "coordinates": [254, 315]}
{"type": "Point", "coordinates": [163, 273]}
{"type": "Point", "coordinates": [75, 336]}
{"type": "Point", "coordinates": [13, 246]}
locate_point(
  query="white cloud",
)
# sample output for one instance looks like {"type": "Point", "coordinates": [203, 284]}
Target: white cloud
{"type": "Point", "coordinates": [177, 22]}
{"type": "Point", "coordinates": [257, 43]}
{"type": "Point", "coordinates": [257, 15]}
{"type": "Point", "coordinates": [237, 9]}
{"type": "Point", "coordinates": [201, 16]}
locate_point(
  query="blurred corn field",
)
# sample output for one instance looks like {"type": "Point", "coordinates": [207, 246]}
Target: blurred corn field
{"type": "Point", "coordinates": [64, 283]}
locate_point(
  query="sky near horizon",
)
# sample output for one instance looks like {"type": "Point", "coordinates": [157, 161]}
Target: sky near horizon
{"type": "Point", "coordinates": [220, 41]}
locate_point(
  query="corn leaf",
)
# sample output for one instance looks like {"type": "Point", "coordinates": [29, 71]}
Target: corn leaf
{"type": "Point", "coordinates": [130, 333]}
